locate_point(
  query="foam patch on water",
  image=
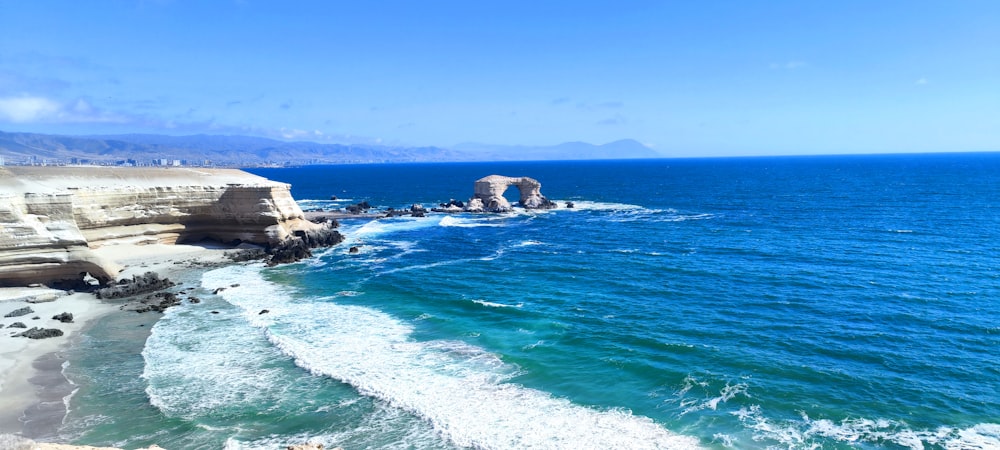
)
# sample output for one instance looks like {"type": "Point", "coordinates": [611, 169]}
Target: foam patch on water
{"type": "Point", "coordinates": [229, 374]}
{"type": "Point", "coordinates": [460, 222]}
{"type": "Point", "coordinates": [385, 226]}
{"type": "Point", "coordinates": [384, 427]}
{"type": "Point", "coordinates": [653, 215]}
{"type": "Point", "coordinates": [497, 305]}
{"type": "Point", "coordinates": [323, 205]}
{"type": "Point", "coordinates": [585, 205]}
{"type": "Point", "coordinates": [711, 400]}
{"type": "Point", "coordinates": [808, 433]}
{"type": "Point", "coordinates": [461, 389]}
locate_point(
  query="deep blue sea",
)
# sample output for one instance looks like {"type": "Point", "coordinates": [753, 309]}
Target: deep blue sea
{"type": "Point", "coordinates": [848, 302]}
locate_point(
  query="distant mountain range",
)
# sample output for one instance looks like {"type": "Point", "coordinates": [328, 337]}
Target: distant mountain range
{"type": "Point", "coordinates": [247, 151]}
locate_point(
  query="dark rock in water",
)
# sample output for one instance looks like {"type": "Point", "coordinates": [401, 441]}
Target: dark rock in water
{"type": "Point", "coordinates": [264, 311]}
{"type": "Point", "coordinates": [215, 312]}
{"type": "Point", "coordinates": [194, 300]}
{"type": "Point", "coordinates": [353, 250]}
{"type": "Point", "coordinates": [452, 202]}
{"type": "Point", "coordinates": [139, 284]}
{"type": "Point", "coordinates": [35, 318]}
{"type": "Point", "coordinates": [333, 197]}
{"type": "Point", "coordinates": [236, 285]}
{"type": "Point", "coordinates": [158, 302]}
{"type": "Point", "coordinates": [41, 333]}
{"type": "Point", "coordinates": [20, 312]}
{"type": "Point", "coordinates": [358, 208]}
{"type": "Point", "coordinates": [300, 247]}
{"type": "Point", "coordinates": [64, 317]}
{"type": "Point", "coordinates": [570, 205]}
{"type": "Point", "coordinates": [217, 290]}
{"type": "Point", "coordinates": [17, 325]}
{"type": "Point", "coordinates": [247, 254]}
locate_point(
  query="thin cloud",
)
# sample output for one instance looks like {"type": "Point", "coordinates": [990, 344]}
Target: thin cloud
{"type": "Point", "coordinates": [617, 119]}
{"type": "Point", "coordinates": [37, 109]}
{"type": "Point", "coordinates": [922, 81]}
{"type": "Point", "coordinates": [560, 101]}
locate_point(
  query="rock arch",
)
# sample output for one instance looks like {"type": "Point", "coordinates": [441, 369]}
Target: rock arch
{"type": "Point", "coordinates": [488, 196]}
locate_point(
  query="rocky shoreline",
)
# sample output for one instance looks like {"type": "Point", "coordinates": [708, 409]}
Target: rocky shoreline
{"type": "Point", "coordinates": [82, 243]}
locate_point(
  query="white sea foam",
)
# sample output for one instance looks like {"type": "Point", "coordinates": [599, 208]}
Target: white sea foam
{"type": "Point", "coordinates": [585, 205]}
{"type": "Point", "coordinates": [497, 305]}
{"type": "Point", "coordinates": [462, 390]}
{"type": "Point", "coordinates": [806, 432]}
{"type": "Point", "coordinates": [425, 266]}
{"type": "Point", "coordinates": [460, 222]}
{"type": "Point", "coordinates": [384, 226]}
{"type": "Point", "coordinates": [725, 394]}
{"type": "Point", "coordinates": [229, 373]}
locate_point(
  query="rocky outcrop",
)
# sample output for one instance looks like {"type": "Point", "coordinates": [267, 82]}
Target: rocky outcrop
{"type": "Point", "coordinates": [41, 333]}
{"type": "Point", "coordinates": [20, 312]}
{"type": "Point", "coordinates": [51, 218]}
{"type": "Point", "coordinates": [139, 284]}
{"type": "Point", "coordinates": [488, 196]}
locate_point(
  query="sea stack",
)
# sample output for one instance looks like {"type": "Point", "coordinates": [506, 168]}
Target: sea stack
{"type": "Point", "coordinates": [488, 196]}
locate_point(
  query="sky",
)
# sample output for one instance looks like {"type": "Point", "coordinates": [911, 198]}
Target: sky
{"type": "Point", "coordinates": [687, 78]}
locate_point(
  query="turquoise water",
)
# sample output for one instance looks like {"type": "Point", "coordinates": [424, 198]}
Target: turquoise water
{"type": "Point", "coordinates": [825, 302]}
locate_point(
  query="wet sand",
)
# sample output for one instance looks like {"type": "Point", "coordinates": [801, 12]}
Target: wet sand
{"type": "Point", "coordinates": [33, 390]}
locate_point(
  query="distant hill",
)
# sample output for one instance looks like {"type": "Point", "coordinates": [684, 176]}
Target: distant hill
{"type": "Point", "coordinates": [623, 149]}
{"type": "Point", "coordinates": [247, 151]}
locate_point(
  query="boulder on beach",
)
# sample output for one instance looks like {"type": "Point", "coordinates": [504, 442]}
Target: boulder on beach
{"type": "Point", "coordinates": [20, 312]}
{"type": "Point", "coordinates": [64, 317]}
{"type": "Point", "coordinates": [41, 333]}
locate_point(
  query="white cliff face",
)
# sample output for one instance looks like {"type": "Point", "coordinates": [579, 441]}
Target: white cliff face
{"type": "Point", "coordinates": [51, 217]}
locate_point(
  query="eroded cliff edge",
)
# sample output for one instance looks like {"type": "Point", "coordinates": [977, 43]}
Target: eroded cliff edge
{"type": "Point", "coordinates": [52, 217]}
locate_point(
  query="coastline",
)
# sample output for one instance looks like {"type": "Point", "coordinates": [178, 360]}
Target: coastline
{"type": "Point", "coordinates": [33, 389]}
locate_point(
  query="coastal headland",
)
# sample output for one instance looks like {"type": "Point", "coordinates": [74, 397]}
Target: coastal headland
{"type": "Point", "coordinates": [66, 232]}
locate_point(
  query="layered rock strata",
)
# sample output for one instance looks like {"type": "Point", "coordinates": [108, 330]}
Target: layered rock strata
{"type": "Point", "coordinates": [51, 218]}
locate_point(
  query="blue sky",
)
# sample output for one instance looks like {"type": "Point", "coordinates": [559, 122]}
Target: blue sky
{"type": "Point", "coordinates": [688, 78]}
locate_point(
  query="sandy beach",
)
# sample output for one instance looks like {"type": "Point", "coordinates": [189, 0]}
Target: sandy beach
{"type": "Point", "coordinates": [33, 390]}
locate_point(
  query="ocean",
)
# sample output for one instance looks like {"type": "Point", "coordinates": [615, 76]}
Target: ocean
{"type": "Point", "coordinates": [841, 302]}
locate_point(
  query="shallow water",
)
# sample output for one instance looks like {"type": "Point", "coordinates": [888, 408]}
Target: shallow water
{"type": "Point", "coordinates": [825, 302]}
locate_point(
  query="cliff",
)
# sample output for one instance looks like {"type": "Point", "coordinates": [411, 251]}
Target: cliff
{"type": "Point", "coordinates": [52, 217]}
